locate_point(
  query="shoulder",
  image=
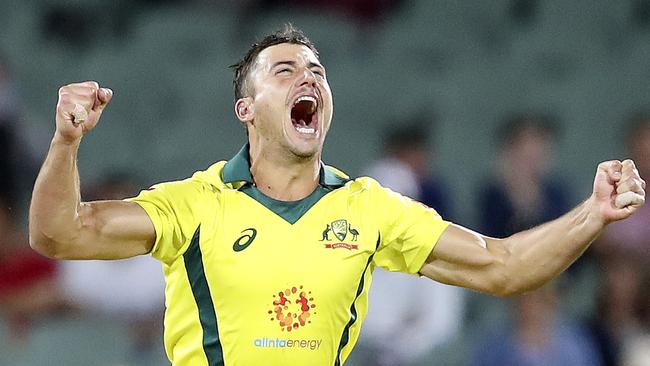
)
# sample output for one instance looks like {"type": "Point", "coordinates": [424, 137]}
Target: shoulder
{"type": "Point", "coordinates": [371, 188]}
{"type": "Point", "coordinates": [212, 176]}
{"type": "Point", "coordinates": [208, 180]}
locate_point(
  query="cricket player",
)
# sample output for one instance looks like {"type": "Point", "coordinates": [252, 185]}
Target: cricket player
{"type": "Point", "coordinates": [268, 256]}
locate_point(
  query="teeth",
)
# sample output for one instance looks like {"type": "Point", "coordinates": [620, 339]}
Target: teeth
{"type": "Point", "coordinates": [309, 130]}
{"type": "Point", "coordinates": [308, 98]}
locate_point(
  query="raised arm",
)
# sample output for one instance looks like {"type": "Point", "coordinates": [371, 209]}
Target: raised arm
{"type": "Point", "coordinates": [60, 225]}
{"type": "Point", "coordinates": [529, 259]}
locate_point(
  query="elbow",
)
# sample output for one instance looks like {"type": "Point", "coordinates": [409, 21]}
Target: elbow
{"type": "Point", "coordinates": [44, 246]}
{"type": "Point", "coordinates": [506, 274]}
{"type": "Point", "coordinates": [47, 246]}
{"type": "Point", "coordinates": [502, 288]}
{"type": "Point", "coordinates": [505, 283]}
{"type": "Point", "coordinates": [508, 290]}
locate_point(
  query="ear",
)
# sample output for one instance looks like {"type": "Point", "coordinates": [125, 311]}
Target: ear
{"type": "Point", "coordinates": [244, 109]}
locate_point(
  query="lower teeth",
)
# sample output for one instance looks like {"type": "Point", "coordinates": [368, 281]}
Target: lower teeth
{"type": "Point", "coordinates": [305, 129]}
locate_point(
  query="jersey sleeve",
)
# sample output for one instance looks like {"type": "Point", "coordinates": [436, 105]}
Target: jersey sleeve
{"type": "Point", "coordinates": [172, 208]}
{"type": "Point", "coordinates": [408, 230]}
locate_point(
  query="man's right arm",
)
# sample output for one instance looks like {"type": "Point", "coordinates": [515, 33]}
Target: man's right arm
{"type": "Point", "coordinates": [60, 225]}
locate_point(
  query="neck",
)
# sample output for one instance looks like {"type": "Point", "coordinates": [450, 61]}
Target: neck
{"type": "Point", "coordinates": [284, 178]}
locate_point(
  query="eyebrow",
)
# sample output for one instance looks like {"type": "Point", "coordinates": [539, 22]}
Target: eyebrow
{"type": "Point", "coordinates": [294, 63]}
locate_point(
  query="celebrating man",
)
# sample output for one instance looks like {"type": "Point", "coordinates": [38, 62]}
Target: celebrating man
{"type": "Point", "coordinates": [252, 278]}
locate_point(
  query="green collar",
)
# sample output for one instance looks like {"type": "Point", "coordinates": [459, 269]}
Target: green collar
{"type": "Point", "coordinates": [238, 169]}
{"type": "Point", "coordinates": [237, 172]}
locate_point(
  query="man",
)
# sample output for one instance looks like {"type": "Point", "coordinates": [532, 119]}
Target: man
{"type": "Point", "coordinates": [248, 281]}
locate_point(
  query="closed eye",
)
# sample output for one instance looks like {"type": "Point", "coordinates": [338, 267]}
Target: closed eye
{"type": "Point", "coordinates": [283, 71]}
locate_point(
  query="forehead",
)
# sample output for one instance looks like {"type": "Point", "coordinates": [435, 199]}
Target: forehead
{"type": "Point", "coordinates": [298, 53]}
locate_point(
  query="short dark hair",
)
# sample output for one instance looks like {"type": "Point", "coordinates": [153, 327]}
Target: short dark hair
{"type": "Point", "coordinates": [288, 34]}
{"type": "Point", "coordinates": [410, 132]}
{"type": "Point", "coordinates": [516, 124]}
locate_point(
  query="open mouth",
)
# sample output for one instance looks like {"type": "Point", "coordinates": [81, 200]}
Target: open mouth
{"type": "Point", "coordinates": [303, 114]}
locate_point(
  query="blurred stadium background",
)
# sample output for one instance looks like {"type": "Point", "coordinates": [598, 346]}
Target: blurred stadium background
{"type": "Point", "coordinates": [461, 66]}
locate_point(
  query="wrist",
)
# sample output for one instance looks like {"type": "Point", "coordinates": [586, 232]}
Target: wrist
{"type": "Point", "coordinates": [595, 215]}
{"type": "Point", "coordinates": [59, 139]}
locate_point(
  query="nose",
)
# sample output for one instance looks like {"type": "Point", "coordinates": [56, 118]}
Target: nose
{"type": "Point", "coordinates": [307, 78]}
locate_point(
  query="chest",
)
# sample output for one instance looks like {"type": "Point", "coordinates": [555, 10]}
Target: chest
{"type": "Point", "coordinates": [248, 249]}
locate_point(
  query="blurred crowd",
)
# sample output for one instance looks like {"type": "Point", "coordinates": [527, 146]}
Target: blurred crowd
{"type": "Point", "coordinates": [597, 313]}
{"type": "Point", "coordinates": [548, 326]}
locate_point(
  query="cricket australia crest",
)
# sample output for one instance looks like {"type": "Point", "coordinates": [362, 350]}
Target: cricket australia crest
{"type": "Point", "coordinates": [340, 229]}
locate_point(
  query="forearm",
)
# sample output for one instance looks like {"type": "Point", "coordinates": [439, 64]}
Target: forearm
{"type": "Point", "coordinates": [537, 255]}
{"type": "Point", "coordinates": [56, 199]}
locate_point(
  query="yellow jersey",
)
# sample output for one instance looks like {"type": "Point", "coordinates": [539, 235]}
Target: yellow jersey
{"type": "Point", "coordinates": [255, 281]}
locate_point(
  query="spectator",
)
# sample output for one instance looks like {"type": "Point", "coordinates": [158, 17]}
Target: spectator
{"type": "Point", "coordinates": [614, 319]}
{"type": "Point", "coordinates": [400, 328]}
{"type": "Point", "coordinates": [17, 165]}
{"type": "Point", "coordinates": [636, 348]}
{"type": "Point", "coordinates": [406, 167]}
{"type": "Point", "coordinates": [519, 195]}
{"type": "Point", "coordinates": [522, 195]}
{"type": "Point", "coordinates": [537, 337]}
{"type": "Point", "coordinates": [27, 280]}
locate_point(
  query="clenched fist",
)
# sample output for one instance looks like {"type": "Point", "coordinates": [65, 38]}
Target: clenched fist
{"type": "Point", "coordinates": [618, 190]}
{"type": "Point", "coordinates": [79, 108]}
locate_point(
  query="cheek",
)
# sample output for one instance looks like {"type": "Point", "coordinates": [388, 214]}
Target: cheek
{"type": "Point", "coordinates": [267, 110]}
{"type": "Point", "coordinates": [329, 105]}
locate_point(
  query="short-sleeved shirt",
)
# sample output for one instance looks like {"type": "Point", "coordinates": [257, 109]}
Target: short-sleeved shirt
{"type": "Point", "coordinates": [255, 281]}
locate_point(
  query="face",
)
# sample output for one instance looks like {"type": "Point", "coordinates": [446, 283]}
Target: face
{"type": "Point", "coordinates": [291, 103]}
{"type": "Point", "coordinates": [530, 152]}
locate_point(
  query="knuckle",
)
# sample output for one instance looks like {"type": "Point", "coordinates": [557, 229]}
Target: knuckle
{"type": "Point", "coordinates": [94, 84]}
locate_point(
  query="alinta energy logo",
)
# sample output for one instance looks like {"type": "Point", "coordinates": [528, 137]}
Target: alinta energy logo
{"type": "Point", "coordinates": [340, 229]}
{"type": "Point", "coordinates": [292, 308]}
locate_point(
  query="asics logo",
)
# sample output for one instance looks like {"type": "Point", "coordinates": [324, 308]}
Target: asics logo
{"type": "Point", "coordinates": [245, 240]}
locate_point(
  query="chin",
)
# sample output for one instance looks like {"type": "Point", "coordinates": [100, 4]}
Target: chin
{"type": "Point", "coordinates": [305, 152]}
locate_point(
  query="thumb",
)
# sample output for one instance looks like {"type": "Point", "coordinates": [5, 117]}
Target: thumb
{"type": "Point", "coordinates": [104, 96]}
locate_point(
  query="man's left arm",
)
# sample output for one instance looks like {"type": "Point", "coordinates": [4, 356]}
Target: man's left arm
{"type": "Point", "coordinates": [529, 259]}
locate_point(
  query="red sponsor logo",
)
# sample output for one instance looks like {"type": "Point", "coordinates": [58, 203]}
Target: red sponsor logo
{"type": "Point", "coordinates": [342, 245]}
{"type": "Point", "coordinates": [292, 308]}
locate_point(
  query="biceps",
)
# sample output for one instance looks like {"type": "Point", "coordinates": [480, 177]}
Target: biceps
{"type": "Point", "coordinates": [113, 230]}
{"type": "Point", "coordinates": [464, 258]}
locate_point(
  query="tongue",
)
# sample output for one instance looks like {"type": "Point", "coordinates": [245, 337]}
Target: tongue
{"type": "Point", "coordinates": [299, 123]}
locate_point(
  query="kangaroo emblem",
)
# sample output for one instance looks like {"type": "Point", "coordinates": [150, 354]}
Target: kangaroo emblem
{"type": "Point", "coordinates": [326, 233]}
